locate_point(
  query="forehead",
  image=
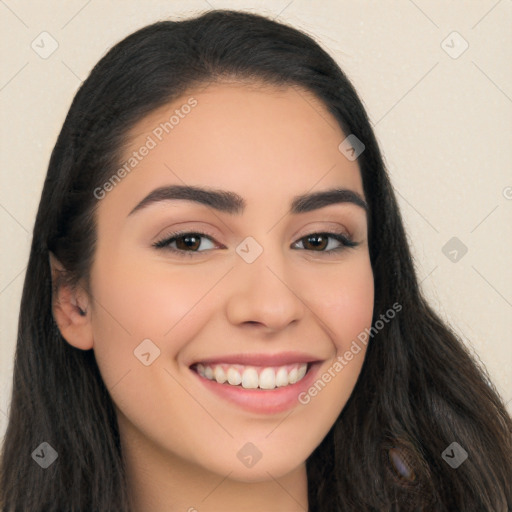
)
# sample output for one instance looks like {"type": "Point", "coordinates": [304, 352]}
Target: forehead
{"type": "Point", "coordinates": [257, 140]}
{"type": "Point", "coordinates": [262, 110]}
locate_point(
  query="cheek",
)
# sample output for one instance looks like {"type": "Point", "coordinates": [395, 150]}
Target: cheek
{"type": "Point", "coordinates": [148, 300]}
{"type": "Point", "coordinates": [346, 310]}
{"type": "Point", "coordinates": [134, 302]}
{"type": "Point", "coordinates": [344, 302]}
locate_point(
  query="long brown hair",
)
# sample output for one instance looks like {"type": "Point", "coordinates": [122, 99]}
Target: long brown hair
{"type": "Point", "coordinates": [419, 390]}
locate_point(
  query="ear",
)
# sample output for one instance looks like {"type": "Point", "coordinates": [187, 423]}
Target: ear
{"type": "Point", "coordinates": [70, 306]}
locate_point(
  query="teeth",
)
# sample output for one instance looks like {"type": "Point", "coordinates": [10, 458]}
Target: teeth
{"type": "Point", "coordinates": [301, 372]}
{"type": "Point", "coordinates": [267, 378]}
{"type": "Point", "coordinates": [220, 375]}
{"type": "Point", "coordinates": [208, 372]}
{"type": "Point", "coordinates": [250, 377]}
{"type": "Point", "coordinates": [293, 376]}
{"type": "Point", "coordinates": [234, 377]}
{"type": "Point", "coordinates": [281, 377]}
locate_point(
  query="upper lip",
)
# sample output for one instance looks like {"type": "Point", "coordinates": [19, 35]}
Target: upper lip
{"type": "Point", "coordinates": [279, 359]}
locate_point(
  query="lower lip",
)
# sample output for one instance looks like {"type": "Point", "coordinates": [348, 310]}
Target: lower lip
{"type": "Point", "coordinates": [263, 401]}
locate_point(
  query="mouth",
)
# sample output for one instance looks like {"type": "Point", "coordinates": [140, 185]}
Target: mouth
{"type": "Point", "coordinates": [259, 384]}
{"type": "Point", "coordinates": [253, 377]}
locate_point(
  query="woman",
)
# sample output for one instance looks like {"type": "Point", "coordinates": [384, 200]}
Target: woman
{"type": "Point", "coordinates": [292, 363]}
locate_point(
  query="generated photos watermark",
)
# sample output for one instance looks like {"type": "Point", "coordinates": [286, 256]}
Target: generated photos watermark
{"type": "Point", "coordinates": [152, 140]}
{"type": "Point", "coordinates": [343, 360]}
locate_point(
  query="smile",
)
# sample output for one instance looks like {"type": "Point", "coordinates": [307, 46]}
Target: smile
{"type": "Point", "coordinates": [253, 377]}
{"type": "Point", "coordinates": [259, 383]}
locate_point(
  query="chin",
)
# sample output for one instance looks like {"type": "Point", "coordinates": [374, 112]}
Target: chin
{"type": "Point", "coordinates": [266, 468]}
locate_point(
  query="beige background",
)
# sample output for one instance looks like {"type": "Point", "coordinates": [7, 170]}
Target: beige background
{"type": "Point", "coordinates": [444, 122]}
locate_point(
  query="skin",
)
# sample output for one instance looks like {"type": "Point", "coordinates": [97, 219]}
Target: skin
{"type": "Point", "coordinates": [181, 441]}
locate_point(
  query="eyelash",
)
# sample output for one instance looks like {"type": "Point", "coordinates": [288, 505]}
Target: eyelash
{"type": "Point", "coordinates": [346, 242]}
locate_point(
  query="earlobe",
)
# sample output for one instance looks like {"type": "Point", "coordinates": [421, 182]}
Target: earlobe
{"type": "Point", "coordinates": [70, 308]}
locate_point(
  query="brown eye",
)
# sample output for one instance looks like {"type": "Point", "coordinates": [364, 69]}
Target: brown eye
{"type": "Point", "coordinates": [186, 243]}
{"type": "Point", "coordinates": [314, 242]}
{"type": "Point", "coordinates": [319, 242]}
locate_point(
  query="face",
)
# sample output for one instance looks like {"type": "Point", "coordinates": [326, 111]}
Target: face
{"type": "Point", "coordinates": [236, 280]}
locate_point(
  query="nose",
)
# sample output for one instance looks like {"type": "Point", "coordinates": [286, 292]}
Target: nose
{"type": "Point", "coordinates": [263, 293]}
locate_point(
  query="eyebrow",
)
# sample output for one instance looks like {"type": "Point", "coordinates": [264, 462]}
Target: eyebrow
{"type": "Point", "coordinates": [234, 204]}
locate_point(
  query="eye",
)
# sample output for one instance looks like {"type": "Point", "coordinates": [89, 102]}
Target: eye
{"type": "Point", "coordinates": [184, 242]}
{"type": "Point", "coordinates": [188, 242]}
{"type": "Point", "coordinates": [319, 242]}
